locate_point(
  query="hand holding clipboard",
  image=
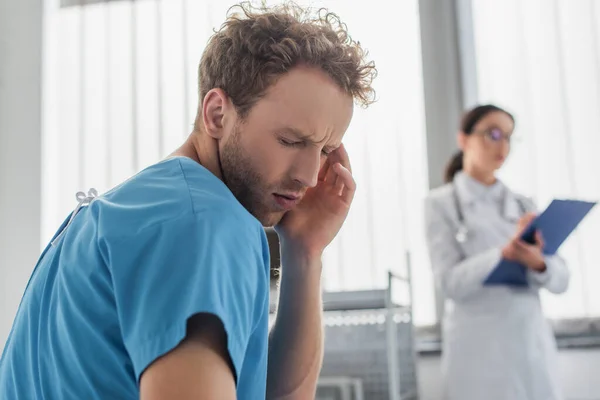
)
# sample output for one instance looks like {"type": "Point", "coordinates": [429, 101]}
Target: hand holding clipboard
{"type": "Point", "coordinates": [556, 223]}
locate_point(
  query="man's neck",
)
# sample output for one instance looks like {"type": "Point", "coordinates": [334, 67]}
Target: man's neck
{"type": "Point", "coordinates": [202, 149]}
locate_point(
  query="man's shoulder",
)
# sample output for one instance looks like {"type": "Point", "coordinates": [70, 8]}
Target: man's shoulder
{"type": "Point", "coordinates": [172, 192]}
{"type": "Point", "coordinates": [159, 187]}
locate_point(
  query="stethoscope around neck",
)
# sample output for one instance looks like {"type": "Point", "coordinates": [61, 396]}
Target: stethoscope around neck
{"type": "Point", "coordinates": [462, 232]}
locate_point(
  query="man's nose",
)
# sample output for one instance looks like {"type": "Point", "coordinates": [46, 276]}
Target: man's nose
{"type": "Point", "coordinates": [307, 168]}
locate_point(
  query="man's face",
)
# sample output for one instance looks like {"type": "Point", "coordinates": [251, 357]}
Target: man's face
{"type": "Point", "coordinates": [274, 155]}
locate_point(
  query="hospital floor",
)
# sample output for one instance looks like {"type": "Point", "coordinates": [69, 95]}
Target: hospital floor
{"type": "Point", "coordinates": [579, 374]}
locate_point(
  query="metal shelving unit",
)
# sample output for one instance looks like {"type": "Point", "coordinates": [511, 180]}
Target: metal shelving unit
{"type": "Point", "coordinates": [369, 338]}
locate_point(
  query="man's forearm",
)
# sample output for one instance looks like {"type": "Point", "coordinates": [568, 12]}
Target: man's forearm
{"type": "Point", "coordinates": [296, 340]}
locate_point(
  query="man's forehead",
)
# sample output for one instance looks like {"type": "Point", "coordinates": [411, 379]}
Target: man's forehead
{"type": "Point", "coordinates": [309, 105]}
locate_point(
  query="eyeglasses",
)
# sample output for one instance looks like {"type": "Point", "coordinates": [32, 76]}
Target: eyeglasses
{"type": "Point", "coordinates": [495, 135]}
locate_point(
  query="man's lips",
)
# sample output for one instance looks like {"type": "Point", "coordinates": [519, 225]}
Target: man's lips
{"type": "Point", "coordinates": [287, 201]}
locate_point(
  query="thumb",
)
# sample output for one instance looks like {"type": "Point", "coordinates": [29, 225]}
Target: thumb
{"type": "Point", "coordinates": [539, 239]}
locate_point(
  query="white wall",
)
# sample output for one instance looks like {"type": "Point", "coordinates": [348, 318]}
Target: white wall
{"type": "Point", "coordinates": [20, 150]}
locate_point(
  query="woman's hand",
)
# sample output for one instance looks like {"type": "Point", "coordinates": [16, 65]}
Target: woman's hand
{"type": "Point", "coordinates": [529, 255]}
{"type": "Point", "coordinates": [523, 223]}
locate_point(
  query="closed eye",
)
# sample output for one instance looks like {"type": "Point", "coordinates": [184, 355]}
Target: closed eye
{"type": "Point", "coordinates": [289, 143]}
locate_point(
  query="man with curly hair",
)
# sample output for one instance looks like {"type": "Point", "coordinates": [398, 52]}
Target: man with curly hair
{"type": "Point", "coordinates": [159, 289]}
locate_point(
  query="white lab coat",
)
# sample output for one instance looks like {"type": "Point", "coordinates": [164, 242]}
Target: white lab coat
{"type": "Point", "coordinates": [497, 345]}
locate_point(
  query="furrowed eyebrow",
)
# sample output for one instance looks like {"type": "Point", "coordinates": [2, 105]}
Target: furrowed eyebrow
{"type": "Point", "coordinates": [306, 137]}
{"type": "Point", "coordinates": [298, 134]}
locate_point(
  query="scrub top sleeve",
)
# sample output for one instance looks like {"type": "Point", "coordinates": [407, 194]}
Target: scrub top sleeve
{"type": "Point", "coordinates": [169, 272]}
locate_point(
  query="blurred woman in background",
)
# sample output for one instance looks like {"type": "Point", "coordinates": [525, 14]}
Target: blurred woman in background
{"type": "Point", "coordinates": [497, 345]}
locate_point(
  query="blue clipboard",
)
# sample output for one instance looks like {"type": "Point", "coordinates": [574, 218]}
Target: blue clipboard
{"type": "Point", "coordinates": [556, 223]}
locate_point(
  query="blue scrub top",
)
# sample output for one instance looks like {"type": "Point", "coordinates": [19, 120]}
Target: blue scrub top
{"type": "Point", "coordinates": [116, 290]}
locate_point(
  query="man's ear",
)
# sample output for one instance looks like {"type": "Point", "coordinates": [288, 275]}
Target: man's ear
{"type": "Point", "coordinates": [214, 108]}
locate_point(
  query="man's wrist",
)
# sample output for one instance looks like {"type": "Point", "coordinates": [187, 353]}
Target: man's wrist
{"type": "Point", "coordinates": [298, 258]}
{"type": "Point", "coordinates": [299, 251]}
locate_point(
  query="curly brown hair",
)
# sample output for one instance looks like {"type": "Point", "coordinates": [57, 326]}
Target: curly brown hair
{"type": "Point", "coordinates": [258, 44]}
